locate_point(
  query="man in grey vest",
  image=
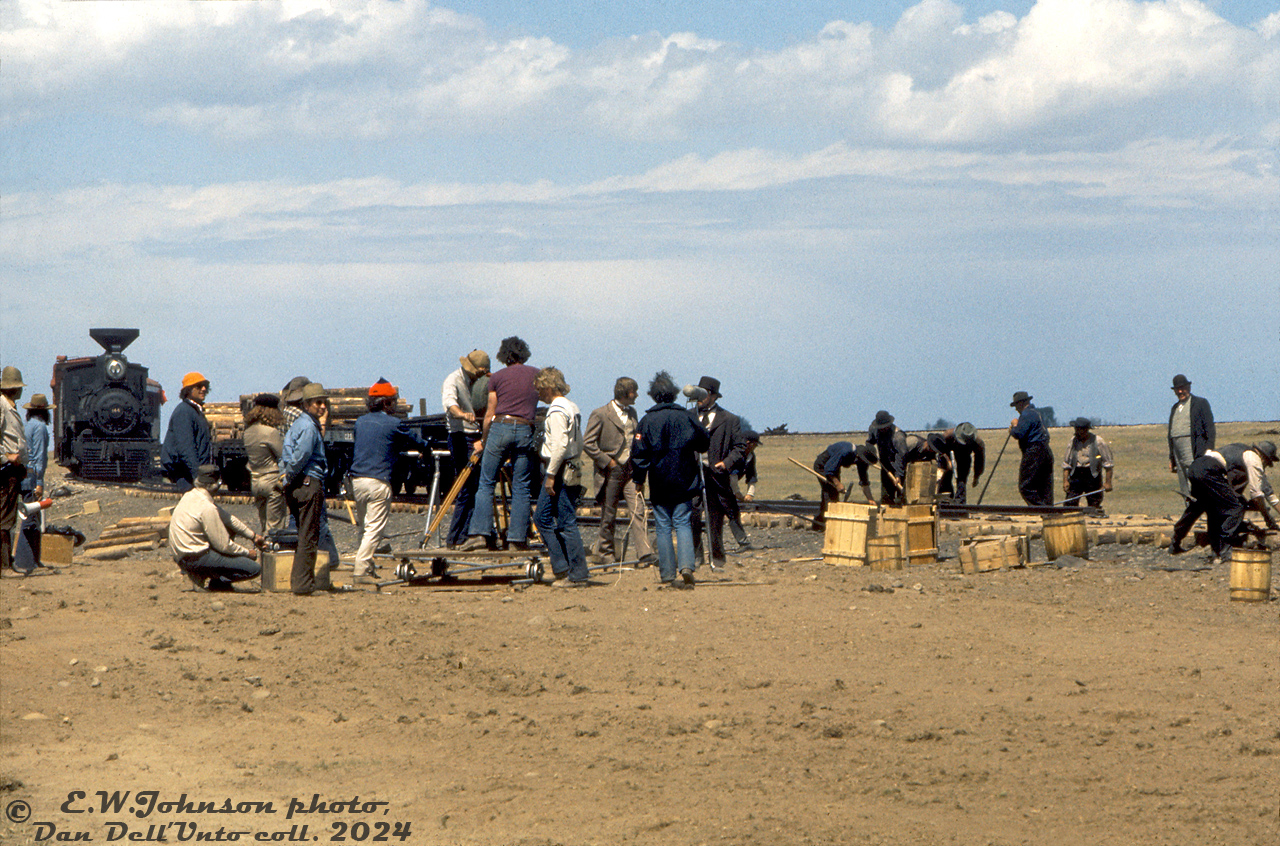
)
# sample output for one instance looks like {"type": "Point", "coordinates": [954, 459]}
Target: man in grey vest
{"type": "Point", "coordinates": [1191, 430]}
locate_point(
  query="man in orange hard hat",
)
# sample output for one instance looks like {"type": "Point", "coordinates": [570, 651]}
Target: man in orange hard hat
{"type": "Point", "coordinates": [189, 441]}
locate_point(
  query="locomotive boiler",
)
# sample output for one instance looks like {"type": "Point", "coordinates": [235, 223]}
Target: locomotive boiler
{"type": "Point", "coordinates": [107, 422]}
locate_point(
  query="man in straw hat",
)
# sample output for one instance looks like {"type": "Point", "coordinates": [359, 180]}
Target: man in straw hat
{"type": "Point", "coordinates": [13, 459]}
{"type": "Point", "coordinates": [302, 471]}
{"type": "Point", "coordinates": [1217, 479]}
{"type": "Point", "coordinates": [1191, 430]}
{"type": "Point", "coordinates": [967, 450]}
{"type": "Point", "coordinates": [458, 398]}
{"type": "Point", "coordinates": [189, 441]}
{"type": "Point", "coordinates": [1035, 473]}
{"type": "Point", "coordinates": [1087, 467]}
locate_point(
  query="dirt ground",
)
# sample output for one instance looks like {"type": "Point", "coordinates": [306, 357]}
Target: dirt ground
{"type": "Point", "coordinates": [783, 701]}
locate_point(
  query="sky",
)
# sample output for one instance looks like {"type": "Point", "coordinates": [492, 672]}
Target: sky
{"type": "Point", "coordinates": [833, 208]}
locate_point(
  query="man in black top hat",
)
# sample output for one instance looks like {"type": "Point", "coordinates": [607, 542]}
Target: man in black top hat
{"type": "Point", "coordinates": [1191, 430]}
{"type": "Point", "coordinates": [726, 451]}
{"type": "Point", "coordinates": [1086, 470]}
{"type": "Point", "coordinates": [891, 446]}
{"type": "Point", "coordinates": [1035, 474]}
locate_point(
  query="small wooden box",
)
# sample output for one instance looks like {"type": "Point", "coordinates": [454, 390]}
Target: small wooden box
{"type": "Point", "coordinates": [277, 570]}
{"type": "Point", "coordinates": [56, 550]}
{"type": "Point", "coordinates": [993, 553]}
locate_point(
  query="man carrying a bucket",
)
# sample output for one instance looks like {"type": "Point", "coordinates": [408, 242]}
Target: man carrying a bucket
{"type": "Point", "coordinates": [1213, 494]}
{"type": "Point", "coordinates": [1086, 471]}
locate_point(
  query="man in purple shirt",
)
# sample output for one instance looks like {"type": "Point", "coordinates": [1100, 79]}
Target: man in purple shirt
{"type": "Point", "coordinates": [507, 434]}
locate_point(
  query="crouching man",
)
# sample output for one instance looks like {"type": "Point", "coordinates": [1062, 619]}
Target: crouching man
{"type": "Point", "coordinates": [200, 538]}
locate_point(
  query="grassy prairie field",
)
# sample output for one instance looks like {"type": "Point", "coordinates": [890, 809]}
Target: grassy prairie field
{"type": "Point", "coordinates": [1143, 483]}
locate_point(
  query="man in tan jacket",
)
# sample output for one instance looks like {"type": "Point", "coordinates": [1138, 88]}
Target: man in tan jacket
{"type": "Point", "coordinates": [611, 429]}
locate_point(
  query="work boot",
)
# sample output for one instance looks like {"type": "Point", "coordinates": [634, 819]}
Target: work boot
{"type": "Point", "coordinates": [1175, 548]}
{"type": "Point", "coordinates": [686, 577]}
{"type": "Point", "coordinates": [475, 543]}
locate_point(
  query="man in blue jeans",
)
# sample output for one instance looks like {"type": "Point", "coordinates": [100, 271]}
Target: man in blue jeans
{"type": "Point", "coordinates": [668, 440]}
{"type": "Point", "coordinates": [508, 434]}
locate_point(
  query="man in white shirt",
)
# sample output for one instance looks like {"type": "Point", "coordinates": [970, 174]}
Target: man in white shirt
{"type": "Point", "coordinates": [201, 538]}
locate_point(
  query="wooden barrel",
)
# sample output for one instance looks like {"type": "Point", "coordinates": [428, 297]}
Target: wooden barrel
{"type": "Point", "coordinates": [922, 483]}
{"type": "Point", "coordinates": [1250, 575]}
{"type": "Point", "coordinates": [844, 541]}
{"type": "Point", "coordinates": [884, 553]}
{"type": "Point", "coordinates": [1065, 534]}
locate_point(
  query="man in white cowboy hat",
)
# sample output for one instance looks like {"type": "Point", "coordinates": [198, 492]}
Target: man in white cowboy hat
{"type": "Point", "coordinates": [13, 459]}
{"type": "Point", "coordinates": [458, 395]}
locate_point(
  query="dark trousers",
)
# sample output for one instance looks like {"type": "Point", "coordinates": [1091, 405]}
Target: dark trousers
{"type": "Point", "coordinates": [1082, 481]}
{"type": "Point", "coordinates": [32, 528]}
{"type": "Point", "coordinates": [1035, 474]}
{"type": "Point", "coordinates": [1213, 496]}
{"type": "Point", "coordinates": [460, 448]}
{"type": "Point", "coordinates": [891, 494]}
{"type": "Point", "coordinates": [306, 505]}
{"type": "Point", "coordinates": [214, 565]}
{"type": "Point", "coordinates": [11, 476]}
{"type": "Point", "coordinates": [720, 503]}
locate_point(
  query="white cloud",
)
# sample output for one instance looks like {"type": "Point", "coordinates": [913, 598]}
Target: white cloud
{"type": "Point", "coordinates": [382, 70]}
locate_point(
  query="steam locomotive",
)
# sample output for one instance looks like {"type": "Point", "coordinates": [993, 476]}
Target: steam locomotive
{"type": "Point", "coordinates": [107, 422]}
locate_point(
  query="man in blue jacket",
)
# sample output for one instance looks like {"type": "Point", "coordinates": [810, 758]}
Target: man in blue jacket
{"type": "Point", "coordinates": [302, 468]}
{"type": "Point", "coordinates": [380, 437]}
{"type": "Point", "coordinates": [667, 442]}
{"type": "Point", "coordinates": [1035, 473]}
{"type": "Point", "coordinates": [189, 442]}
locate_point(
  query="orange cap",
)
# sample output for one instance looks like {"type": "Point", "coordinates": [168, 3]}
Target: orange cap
{"type": "Point", "coordinates": [193, 378]}
{"type": "Point", "coordinates": [383, 388]}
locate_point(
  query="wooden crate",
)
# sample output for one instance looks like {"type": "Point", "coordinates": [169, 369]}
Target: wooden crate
{"type": "Point", "coordinates": [277, 568]}
{"type": "Point", "coordinates": [849, 525]}
{"type": "Point", "coordinates": [993, 553]}
{"type": "Point", "coordinates": [885, 554]}
{"type": "Point", "coordinates": [56, 550]}
{"type": "Point", "coordinates": [916, 527]}
{"type": "Point", "coordinates": [922, 483]}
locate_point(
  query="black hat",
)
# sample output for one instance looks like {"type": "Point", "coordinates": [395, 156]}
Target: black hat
{"type": "Point", "coordinates": [937, 442]}
{"type": "Point", "coordinates": [750, 436]}
{"type": "Point", "coordinates": [712, 386]}
{"type": "Point", "coordinates": [207, 475]}
{"type": "Point", "coordinates": [883, 420]}
{"type": "Point", "coordinates": [1181, 381]}
{"type": "Point", "coordinates": [1082, 423]}
{"type": "Point", "coordinates": [1268, 450]}
{"type": "Point", "coordinates": [1021, 396]}
{"type": "Point", "coordinates": [866, 453]}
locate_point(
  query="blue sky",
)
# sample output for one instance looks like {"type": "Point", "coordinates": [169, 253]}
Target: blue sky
{"type": "Point", "coordinates": [833, 208]}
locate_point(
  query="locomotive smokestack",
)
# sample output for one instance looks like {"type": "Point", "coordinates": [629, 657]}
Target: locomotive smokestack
{"type": "Point", "coordinates": [114, 340]}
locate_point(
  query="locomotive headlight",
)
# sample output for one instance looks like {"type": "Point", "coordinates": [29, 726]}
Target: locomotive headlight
{"type": "Point", "coordinates": [115, 369]}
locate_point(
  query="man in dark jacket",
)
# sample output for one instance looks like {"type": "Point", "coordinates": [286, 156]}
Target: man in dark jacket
{"type": "Point", "coordinates": [727, 450]}
{"type": "Point", "coordinates": [189, 442]}
{"type": "Point", "coordinates": [1035, 473]}
{"type": "Point", "coordinates": [667, 442]}
{"type": "Point", "coordinates": [891, 446]}
{"type": "Point", "coordinates": [967, 450]}
{"type": "Point", "coordinates": [1191, 430]}
{"type": "Point", "coordinates": [828, 464]}
{"type": "Point", "coordinates": [1223, 483]}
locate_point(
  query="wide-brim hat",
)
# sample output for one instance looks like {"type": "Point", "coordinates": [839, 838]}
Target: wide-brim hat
{"type": "Point", "coordinates": [965, 433]}
{"type": "Point", "coordinates": [937, 442]}
{"type": "Point", "coordinates": [11, 377]}
{"type": "Point", "coordinates": [710, 385]}
{"type": "Point", "coordinates": [1181, 381]}
{"type": "Point", "coordinates": [1267, 449]}
{"type": "Point", "coordinates": [292, 392]}
{"type": "Point", "coordinates": [313, 391]}
{"type": "Point", "coordinates": [39, 402]}
{"type": "Point", "coordinates": [866, 453]}
{"type": "Point", "coordinates": [883, 420]}
{"type": "Point", "coordinates": [1082, 423]}
{"type": "Point", "coordinates": [1021, 396]}
{"type": "Point", "coordinates": [194, 378]}
{"type": "Point", "coordinates": [208, 475]}
{"type": "Point", "coordinates": [475, 362]}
